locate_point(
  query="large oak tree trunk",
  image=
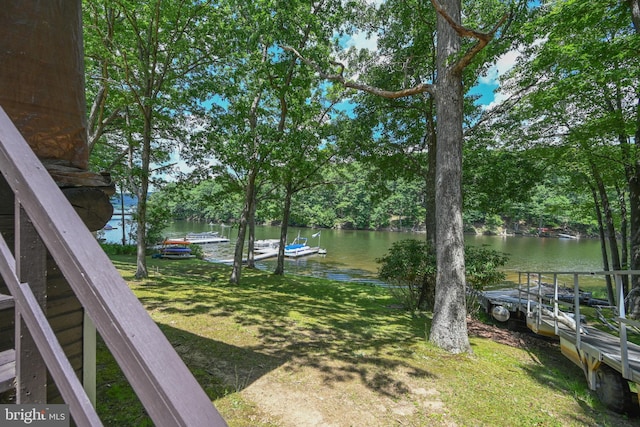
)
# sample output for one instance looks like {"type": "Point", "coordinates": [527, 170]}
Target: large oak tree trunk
{"type": "Point", "coordinates": [143, 189]}
{"type": "Point", "coordinates": [449, 326]}
{"type": "Point", "coordinates": [430, 205]}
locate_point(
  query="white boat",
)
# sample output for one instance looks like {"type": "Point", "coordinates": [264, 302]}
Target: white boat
{"type": "Point", "coordinates": [205, 238]}
{"type": "Point", "coordinates": [267, 243]}
{"type": "Point", "coordinates": [299, 248]}
{"type": "Point", "coordinates": [266, 246]}
{"type": "Point", "coordinates": [566, 236]}
{"type": "Point", "coordinates": [321, 251]}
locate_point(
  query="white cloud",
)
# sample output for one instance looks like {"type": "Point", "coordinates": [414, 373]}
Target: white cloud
{"type": "Point", "coordinates": [502, 66]}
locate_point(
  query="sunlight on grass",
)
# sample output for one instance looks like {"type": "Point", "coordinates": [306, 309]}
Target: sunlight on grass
{"type": "Point", "coordinates": [351, 337]}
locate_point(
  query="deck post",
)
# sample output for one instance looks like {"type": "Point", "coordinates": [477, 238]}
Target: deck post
{"type": "Point", "coordinates": [555, 303]}
{"type": "Point", "coordinates": [528, 293]}
{"type": "Point", "coordinates": [89, 358]}
{"type": "Point", "coordinates": [31, 268]}
{"type": "Point", "coordinates": [622, 317]}
{"type": "Point", "coordinates": [539, 305]}
{"type": "Point", "coordinates": [576, 308]}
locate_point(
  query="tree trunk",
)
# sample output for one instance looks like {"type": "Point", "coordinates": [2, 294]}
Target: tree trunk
{"type": "Point", "coordinates": [141, 218]}
{"type": "Point", "coordinates": [449, 325]}
{"type": "Point", "coordinates": [603, 245]}
{"type": "Point", "coordinates": [430, 205]}
{"type": "Point", "coordinates": [608, 220]}
{"type": "Point", "coordinates": [634, 186]}
{"type": "Point", "coordinates": [251, 263]}
{"type": "Point", "coordinates": [236, 272]}
{"type": "Point", "coordinates": [634, 6]}
{"type": "Point", "coordinates": [624, 229]}
{"type": "Point", "coordinates": [634, 240]}
{"type": "Point", "coordinates": [284, 229]}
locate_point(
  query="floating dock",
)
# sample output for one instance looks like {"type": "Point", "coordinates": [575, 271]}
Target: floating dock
{"type": "Point", "coordinates": [262, 254]}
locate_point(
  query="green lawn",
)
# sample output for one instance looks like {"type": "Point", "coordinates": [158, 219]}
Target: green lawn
{"type": "Point", "coordinates": [344, 349]}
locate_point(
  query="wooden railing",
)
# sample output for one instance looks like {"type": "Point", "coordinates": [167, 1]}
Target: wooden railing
{"type": "Point", "coordinates": [45, 219]}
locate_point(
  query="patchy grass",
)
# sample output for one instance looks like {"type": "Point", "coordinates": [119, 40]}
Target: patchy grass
{"type": "Point", "coordinates": [289, 351]}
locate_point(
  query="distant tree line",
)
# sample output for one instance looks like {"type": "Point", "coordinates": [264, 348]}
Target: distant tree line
{"type": "Point", "coordinates": [353, 199]}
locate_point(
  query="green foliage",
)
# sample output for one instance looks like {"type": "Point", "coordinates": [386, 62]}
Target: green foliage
{"type": "Point", "coordinates": [410, 268]}
{"type": "Point", "coordinates": [118, 249]}
{"type": "Point", "coordinates": [482, 266]}
{"type": "Point", "coordinates": [158, 218]}
{"type": "Point", "coordinates": [492, 222]}
{"type": "Point", "coordinates": [352, 327]}
{"type": "Point", "coordinates": [197, 251]}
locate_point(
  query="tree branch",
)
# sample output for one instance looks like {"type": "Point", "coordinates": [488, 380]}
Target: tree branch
{"type": "Point", "coordinates": [483, 38]}
{"type": "Point", "coordinates": [339, 77]}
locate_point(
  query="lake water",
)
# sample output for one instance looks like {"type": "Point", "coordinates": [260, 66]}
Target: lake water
{"type": "Point", "coordinates": [351, 254]}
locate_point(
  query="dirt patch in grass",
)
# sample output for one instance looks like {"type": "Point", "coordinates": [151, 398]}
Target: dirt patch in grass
{"type": "Point", "coordinates": [523, 340]}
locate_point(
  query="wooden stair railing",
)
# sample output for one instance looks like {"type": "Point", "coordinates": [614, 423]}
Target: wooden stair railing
{"type": "Point", "coordinates": [165, 386]}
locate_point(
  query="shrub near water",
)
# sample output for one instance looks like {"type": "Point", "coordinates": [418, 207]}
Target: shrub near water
{"type": "Point", "coordinates": [118, 249]}
{"type": "Point", "coordinates": [410, 267]}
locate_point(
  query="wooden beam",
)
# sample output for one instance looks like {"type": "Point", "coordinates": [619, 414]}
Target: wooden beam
{"type": "Point", "coordinates": [61, 370]}
{"type": "Point", "coordinates": [162, 381]}
{"type": "Point", "coordinates": [31, 267]}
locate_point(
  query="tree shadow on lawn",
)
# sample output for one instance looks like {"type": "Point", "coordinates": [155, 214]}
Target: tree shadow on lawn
{"type": "Point", "coordinates": [219, 368]}
{"type": "Point", "coordinates": [346, 331]}
{"type": "Point", "coordinates": [554, 370]}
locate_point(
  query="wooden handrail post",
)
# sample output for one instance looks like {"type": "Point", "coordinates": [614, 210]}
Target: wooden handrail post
{"type": "Point", "coordinates": [31, 267]}
{"type": "Point", "coordinates": [167, 389]}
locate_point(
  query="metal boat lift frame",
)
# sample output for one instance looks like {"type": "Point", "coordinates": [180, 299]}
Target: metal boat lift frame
{"type": "Point", "coordinates": [603, 357]}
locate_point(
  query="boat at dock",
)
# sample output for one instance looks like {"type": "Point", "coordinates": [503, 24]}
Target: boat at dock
{"type": "Point", "coordinates": [566, 236]}
{"type": "Point", "coordinates": [299, 248]}
{"type": "Point", "coordinates": [176, 251]}
{"type": "Point", "coordinates": [266, 245]}
{"type": "Point", "coordinates": [204, 238]}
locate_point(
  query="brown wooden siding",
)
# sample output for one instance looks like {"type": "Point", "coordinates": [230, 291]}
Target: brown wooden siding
{"type": "Point", "coordinates": [64, 311]}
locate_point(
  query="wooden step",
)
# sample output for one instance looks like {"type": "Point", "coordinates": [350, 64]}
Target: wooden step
{"type": "Point", "coordinates": [6, 301]}
{"type": "Point", "coordinates": [7, 370]}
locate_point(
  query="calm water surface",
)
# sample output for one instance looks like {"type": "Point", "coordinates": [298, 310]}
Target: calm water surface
{"type": "Point", "coordinates": [351, 254]}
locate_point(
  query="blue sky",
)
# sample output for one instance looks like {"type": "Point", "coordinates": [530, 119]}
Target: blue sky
{"type": "Point", "coordinates": [487, 84]}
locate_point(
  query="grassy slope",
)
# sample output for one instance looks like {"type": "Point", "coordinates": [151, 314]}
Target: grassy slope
{"type": "Point", "coordinates": [232, 336]}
